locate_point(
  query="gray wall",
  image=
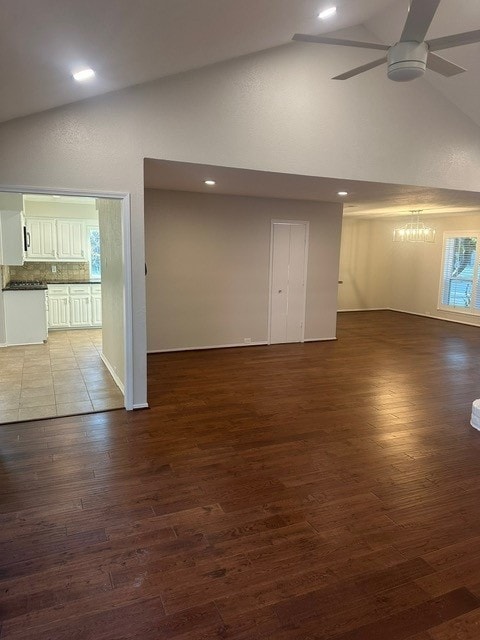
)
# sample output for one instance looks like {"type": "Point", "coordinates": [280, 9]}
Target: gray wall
{"type": "Point", "coordinates": [208, 262]}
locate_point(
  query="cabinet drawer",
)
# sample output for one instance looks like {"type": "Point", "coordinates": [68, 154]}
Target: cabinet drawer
{"type": "Point", "coordinates": [58, 290]}
{"type": "Point", "coordinates": [96, 289]}
{"type": "Point", "coordinates": [75, 289]}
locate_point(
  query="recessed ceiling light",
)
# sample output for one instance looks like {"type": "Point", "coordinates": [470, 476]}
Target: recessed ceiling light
{"type": "Point", "coordinates": [84, 74]}
{"type": "Point", "coordinates": [210, 182]}
{"type": "Point", "coordinates": [327, 13]}
{"type": "Point", "coordinates": [56, 196]}
{"type": "Point", "coordinates": [342, 193]}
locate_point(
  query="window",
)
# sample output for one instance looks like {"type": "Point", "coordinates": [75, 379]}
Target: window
{"type": "Point", "coordinates": [93, 235]}
{"type": "Point", "coordinates": [459, 287]}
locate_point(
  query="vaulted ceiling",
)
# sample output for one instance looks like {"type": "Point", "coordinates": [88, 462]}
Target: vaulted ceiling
{"type": "Point", "coordinates": [128, 43]}
{"type": "Point", "coordinates": [132, 42]}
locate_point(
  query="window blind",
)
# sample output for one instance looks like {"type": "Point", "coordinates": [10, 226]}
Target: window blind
{"type": "Point", "coordinates": [460, 288]}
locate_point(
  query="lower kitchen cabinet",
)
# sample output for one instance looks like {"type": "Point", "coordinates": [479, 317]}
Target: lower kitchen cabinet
{"type": "Point", "coordinates": [58, 311]}
{"type": "Point", "coordinates": [96, 305]}
{"type": "Point", "coordinates": [74, 306]}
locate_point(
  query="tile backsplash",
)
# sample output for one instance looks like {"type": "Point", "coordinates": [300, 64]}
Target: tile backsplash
{"type": "Point", "coordinates": [66, 272]}
{"type": "Point", "coordinates": [4, 275]}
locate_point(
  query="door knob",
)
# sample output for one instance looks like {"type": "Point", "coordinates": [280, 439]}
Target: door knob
{"type": "Point", "coordinates": [279, 291]}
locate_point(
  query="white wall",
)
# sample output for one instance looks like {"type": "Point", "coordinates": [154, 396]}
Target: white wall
{"type": "Point", "coordinates": [111, 258]}
{"type": "Point", "coordinates": [208, 262]}
{"type": "Point", "coordinates": [380, 273]}
{"type": "Point", "coordinates": [365, 265]}
{"type": "Point", "coordinates": [275, 111]}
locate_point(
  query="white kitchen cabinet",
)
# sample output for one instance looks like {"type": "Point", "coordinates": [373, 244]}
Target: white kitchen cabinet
{"type": "Point", "coordinates": [56, 239]}
{"type": "Point", "coordinates": [41, 239]}
{"type": "Point", "coordinates": [80, 315]}
{"type": "Point", "coordinates": [71, 240]}
{"type": "Point", "coordinates": [58, 307]}
{"type": "Point", "coordinates": [74, 306]}
{"type": "Point", "coordinates": [96, 305]}
{"type": "Point", "coordinates": [12, 250]}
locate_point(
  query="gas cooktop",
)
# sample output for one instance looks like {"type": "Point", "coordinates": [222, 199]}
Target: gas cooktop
{"type": "Point", "coordinates": [30, 284]}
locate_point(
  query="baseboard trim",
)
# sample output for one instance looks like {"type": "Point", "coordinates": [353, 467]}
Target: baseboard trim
{"type": "Point", "coordinates": [414, 313]}
{"type": "Point", "coordinates": [369, 309]}
{"type": "Point", "coordinates": [424, 315]}
{"type": "Point", "coordinates": [115, 377]}
{"type": "Point", "coordinates": [215, 346]}
{"type": "Point", "coordinates": [320, 339]}
{"type": "Point", "coordinates": [142, 405]}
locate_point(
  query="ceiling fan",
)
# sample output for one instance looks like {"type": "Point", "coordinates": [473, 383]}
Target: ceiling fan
{"type": "Point", "coordinates": [408, 58]}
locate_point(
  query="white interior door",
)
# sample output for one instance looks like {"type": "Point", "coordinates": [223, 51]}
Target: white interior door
{"type": "Point", "coordinates": [288, 278]}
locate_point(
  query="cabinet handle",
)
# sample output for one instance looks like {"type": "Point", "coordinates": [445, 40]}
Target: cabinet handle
{"type": "Point", "coordinates": [28, 239]}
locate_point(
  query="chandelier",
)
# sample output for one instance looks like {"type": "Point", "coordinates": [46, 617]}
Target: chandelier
{"type": "Point", "coordinates": [414, 231]}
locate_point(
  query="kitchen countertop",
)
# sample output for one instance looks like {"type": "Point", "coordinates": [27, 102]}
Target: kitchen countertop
{"type": "Point", "coordinates": [36, 286]}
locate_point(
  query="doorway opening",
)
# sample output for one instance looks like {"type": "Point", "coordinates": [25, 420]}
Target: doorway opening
{"type": "Point", "coordinates": [65, 306]}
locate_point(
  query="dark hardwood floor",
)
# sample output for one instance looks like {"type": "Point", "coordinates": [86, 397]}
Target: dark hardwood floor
{"type": "Point", "coordinates": [294, 492]}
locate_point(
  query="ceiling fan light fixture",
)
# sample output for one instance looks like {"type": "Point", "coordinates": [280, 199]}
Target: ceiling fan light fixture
{"type": "Point", "coordinates": [412, 55]}
{"type": "Point", "coordinates": [327, 13]}
{"type": "Point", "coordinates": [407, 61]}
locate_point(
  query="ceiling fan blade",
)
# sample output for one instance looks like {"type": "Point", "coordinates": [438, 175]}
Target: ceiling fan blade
{"type": "Point", "coordinates": [420, 16]}
{"type": "Point", "coordinates": [447, 42]}
{"type": "Point", "coordinates": [303, 37]}
{"type": "Point", "coordinates": [442, 66]}
{"type": "Point", "coordinates": [358, 70]}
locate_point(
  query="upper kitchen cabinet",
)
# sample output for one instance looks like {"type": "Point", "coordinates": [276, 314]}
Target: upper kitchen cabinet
{"type": "Point", "coordinates": [70, 240]}
{"type": "Point", "coordinates": [41, 239]}
{"type": "Point", "coordinates": [50, 239]}
{"type": "Point", "coordinates": [12, 247]}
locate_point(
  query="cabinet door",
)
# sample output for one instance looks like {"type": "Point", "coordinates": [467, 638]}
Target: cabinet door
{"type": "Point", "coordinates": [11, 238]}
{"type": "Point", "coordinates": [96, 309]}
{"type": "Point", "coordinates": [41, 239]}
{"type": "Point", "coordinates": [58, 312]}
{"type": "Point", "coordinates": [80, 310]}
{"type": "Point", "coordinates": [70, 240]}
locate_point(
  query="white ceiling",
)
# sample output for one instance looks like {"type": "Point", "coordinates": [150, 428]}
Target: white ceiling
{"type": "Point", "coordinates": [130, 42]}
{"type": "Point", "coordinates": [365, 199]}
{"type": "Point", "coordinates": [127, 43]}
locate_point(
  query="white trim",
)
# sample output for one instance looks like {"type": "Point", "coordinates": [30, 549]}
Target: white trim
{"type": "Point", "coordinates": [306, 223]}
{"type": "Point", "coordinates": [318, 340]}
{"type": "Point", "coordinates": [128, 302]}
{"type": "Point", "coordinates": [214, 346]}
{"type": "Point", "coordinates": [114, 375]}
{"type": "Point", "coordinates": [368, 309]}
{"type": "Point", "coordinates": [444, 307]}
{"type": "Point", "coordinates": [124, 198]}
{"type": "Point", "coordinates": [142, 405]}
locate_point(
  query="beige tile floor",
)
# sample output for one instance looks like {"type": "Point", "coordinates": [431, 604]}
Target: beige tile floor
{"type": "Point", "coordinates": [62, 377]}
